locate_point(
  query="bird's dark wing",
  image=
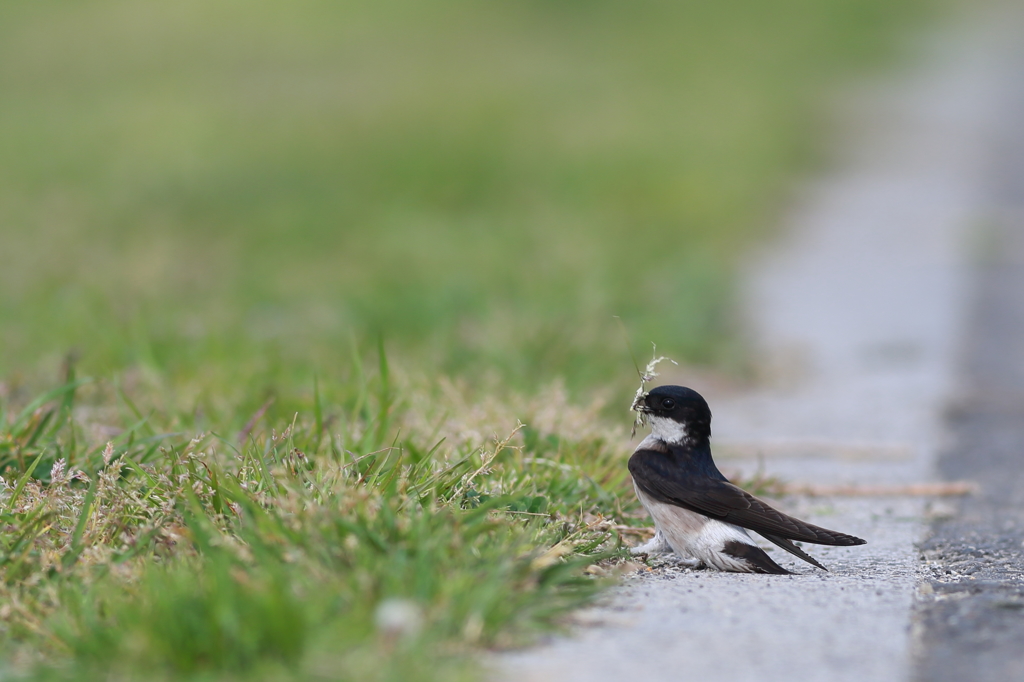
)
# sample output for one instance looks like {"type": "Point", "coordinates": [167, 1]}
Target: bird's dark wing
{"type": "Point", "coordinates": [660, 476]}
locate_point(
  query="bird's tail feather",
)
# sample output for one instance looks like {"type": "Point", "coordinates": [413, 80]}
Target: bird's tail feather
{"type": "Point", "coordinates": [793, 549]}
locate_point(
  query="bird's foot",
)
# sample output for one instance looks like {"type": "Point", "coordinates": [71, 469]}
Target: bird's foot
{"type": "Point", "coordinates": [657, 548]}
{"type": "Point", "coordinates": [691, 563]}
{"type": "Point", "coordinates": [656, 545]}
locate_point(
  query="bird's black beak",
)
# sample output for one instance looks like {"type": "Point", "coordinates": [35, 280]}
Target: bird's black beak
{"type": "Point", "coordinates": [640, 404]}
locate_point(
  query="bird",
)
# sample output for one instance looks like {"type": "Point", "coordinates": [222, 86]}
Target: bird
{"type": "Point", "coordinates": [697, 512]}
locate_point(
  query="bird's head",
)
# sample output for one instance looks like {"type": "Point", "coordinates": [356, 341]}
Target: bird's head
{"type": "Point", "coordinates": [676, 414]}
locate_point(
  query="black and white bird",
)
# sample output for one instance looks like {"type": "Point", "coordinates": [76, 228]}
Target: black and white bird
{"type": "Point", "coordinates": [696, 510]}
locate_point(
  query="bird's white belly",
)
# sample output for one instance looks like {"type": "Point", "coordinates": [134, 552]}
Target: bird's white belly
{"type": "Point", "coordinates": [693, 534]}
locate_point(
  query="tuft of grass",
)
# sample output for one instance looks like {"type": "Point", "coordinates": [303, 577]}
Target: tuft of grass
{"type": "Point", "coordinates": [283, 556]}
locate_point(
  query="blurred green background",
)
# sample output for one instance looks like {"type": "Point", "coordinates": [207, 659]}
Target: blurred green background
{"type": "Point", "coordinates": [234, 193]}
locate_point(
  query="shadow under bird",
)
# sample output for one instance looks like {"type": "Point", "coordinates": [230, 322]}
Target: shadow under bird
{"type": "Point", "coordinates": [697, 512]}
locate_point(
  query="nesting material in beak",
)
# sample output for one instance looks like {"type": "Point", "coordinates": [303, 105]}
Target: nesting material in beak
{"type": "Point", "coordinates": [639, 404]}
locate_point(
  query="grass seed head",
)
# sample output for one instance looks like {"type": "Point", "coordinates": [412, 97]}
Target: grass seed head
{"type": "Point", "coordinates": [649, 373]}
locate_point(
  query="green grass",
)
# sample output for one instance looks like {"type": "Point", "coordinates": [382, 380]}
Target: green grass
{"type": "Point", "coordinates": [221, 213]}
{"type": "Point", "coordinates": [162, 557]}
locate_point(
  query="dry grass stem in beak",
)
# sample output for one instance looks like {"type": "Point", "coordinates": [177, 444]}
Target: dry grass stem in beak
{"type": "Point", "coordinates": [648, 374]}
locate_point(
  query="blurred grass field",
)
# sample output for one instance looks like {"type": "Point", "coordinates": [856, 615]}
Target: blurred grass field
{"type": "Point", "coordinates": [250, 186]}
{"type": "Point", "coordinates": [221, 213]}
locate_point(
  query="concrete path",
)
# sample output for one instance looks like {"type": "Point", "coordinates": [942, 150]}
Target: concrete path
{"type": "Point", "coordinates": [970, 616]}
{"type": "Point", "coordinates": [858, 315]}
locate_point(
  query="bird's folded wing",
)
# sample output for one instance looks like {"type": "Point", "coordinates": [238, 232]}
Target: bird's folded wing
{"type": "Point", "coordinates": [722, 500]}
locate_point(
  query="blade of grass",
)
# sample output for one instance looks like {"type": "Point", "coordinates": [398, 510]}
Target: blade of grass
{"type": "Point", "coordinates": [22, 481]}
{"type": "Point", "coordinates": [318, 411]}
{"type": "Point", "coordinates": [29, 410]}
{"type": "Point", "coordinates": [76, 546]}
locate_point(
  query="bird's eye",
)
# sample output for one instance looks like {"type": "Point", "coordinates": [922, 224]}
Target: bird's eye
{"type": "Point", "coordinates": [668, 404]}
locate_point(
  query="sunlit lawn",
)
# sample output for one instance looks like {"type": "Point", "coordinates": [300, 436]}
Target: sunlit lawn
{"type": "Point", "coordinates": [214, 216]}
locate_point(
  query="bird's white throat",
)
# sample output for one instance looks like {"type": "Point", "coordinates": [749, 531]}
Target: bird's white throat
{"type": "Point", "coordinates": [668, 430]}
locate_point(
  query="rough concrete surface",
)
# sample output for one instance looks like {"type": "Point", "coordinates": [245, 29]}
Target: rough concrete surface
{"type": "Point", "coordinates": [858, 313]}
{"type": "Point", "coordinates": [970, 614]}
